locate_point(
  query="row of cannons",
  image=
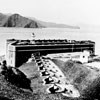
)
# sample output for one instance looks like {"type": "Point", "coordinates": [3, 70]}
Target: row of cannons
{"type": "Point", "coordinates": [54, 77]}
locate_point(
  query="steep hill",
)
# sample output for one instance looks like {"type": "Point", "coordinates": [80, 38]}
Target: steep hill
{"type": "Point", "coordinates": [16, 20]}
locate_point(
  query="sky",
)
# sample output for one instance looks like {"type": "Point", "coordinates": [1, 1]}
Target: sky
{"type": "Point", "coordinates": [71, 12]}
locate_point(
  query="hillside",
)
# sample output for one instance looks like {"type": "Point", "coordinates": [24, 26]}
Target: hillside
{"type": "Point", "coordinates": [16, 20]}
{"type": "Point", "coordinates": [11, 92]}
{"type": "Point", "coordinates": [85, 79]}
{"type": "Point", "coordinates": [55, 25]}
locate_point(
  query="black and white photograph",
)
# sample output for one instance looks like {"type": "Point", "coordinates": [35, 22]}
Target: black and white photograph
{"type": "Point", "coordinates": [49, 49]}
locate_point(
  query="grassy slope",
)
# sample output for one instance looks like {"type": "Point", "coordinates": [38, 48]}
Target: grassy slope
{"type": "Point", "coordinates": [12, 92]}
{"type": "Point", "coordinates": [31, 71]}
{"type": "Point", "coordinates": [39, 91]}
{"type": "Point", "coordinates": [85, 79]}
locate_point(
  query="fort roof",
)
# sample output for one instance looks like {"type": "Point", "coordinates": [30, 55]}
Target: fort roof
{"type": "Point", "coordinates": [47, 42]}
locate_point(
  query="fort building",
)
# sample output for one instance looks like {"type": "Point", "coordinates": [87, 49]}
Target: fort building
{"type": "Point", "coordinates": [19, 51]}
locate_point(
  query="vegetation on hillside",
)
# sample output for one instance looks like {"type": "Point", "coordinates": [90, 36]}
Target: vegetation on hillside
{"type": "Point", "coordinates": [85, 79]}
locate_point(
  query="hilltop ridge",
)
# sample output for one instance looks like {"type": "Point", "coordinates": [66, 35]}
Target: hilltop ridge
{"type": "Point", "coordinates": [17, 20]}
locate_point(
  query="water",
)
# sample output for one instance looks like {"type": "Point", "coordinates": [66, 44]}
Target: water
{"type": "Point", "coordinates": [48, 33]}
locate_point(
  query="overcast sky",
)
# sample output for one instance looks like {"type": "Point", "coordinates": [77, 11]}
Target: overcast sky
{"type": "Point", "coordinates": [59, 11]}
